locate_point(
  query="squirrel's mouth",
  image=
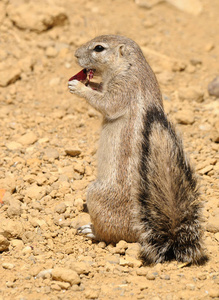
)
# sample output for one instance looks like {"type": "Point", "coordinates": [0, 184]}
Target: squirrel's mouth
{"type": "Point", "coordinates": [82, 75]}
{"type": "Point", "coordinates": [85, 76]}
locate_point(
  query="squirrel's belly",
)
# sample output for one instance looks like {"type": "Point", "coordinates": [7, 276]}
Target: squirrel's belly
{"type": "Point", "coordinates": [109, 151]}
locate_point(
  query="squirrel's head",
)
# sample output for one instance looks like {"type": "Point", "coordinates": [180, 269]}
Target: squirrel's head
{"type": "Point", "coordinates": [107, 52]}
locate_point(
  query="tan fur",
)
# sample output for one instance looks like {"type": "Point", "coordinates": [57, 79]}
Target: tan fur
{"type": "Point", "coordinates": [129, 91]}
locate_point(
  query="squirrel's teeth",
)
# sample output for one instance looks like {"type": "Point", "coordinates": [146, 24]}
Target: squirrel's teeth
{"type": "Point", "coordinates": [90, 73]}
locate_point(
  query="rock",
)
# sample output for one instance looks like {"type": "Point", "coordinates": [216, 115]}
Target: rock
{"type": "Point", "coordinates": [79, 185]}
{"type": "Point", "coordinates": [165, 277]}
{"type": "Point", "coordinates": [4, 243]}
{"type": "Point", "coordinates": [28, 237]}
{"type": "Point", "coordinates": [195, 61]}
{"type": "Point", "coordinates": [102, 245]}
{"type": "Point", "coordinates": [163, 61]}
{"type": "Point", "coordinates": [67, 275]}
{"type": "Point", "coordinates": [217, 236]}
{"type": "Point", "coordinates": [194, 93]}
{"type": "Point", "coordinates": [43, 140]}
{"type": "Point", "coordinates": [79, 203]}
{"type": "Point", "coordinates": [35, 192]}
{"type": "Point", "coordinates": [214, 293]}
{"type": "Point", "coordinates": [41, 179]}
{"type": "Point", "coordinates": [16, 244]}
{"type": "Point", "coordinates": [136, 263]}
{"type": "Point", "coordinates": [13, 145]}
{"type": "Point", "coordinates": [92, 293]}
{"type": "Point", "coordinates": [79, 267]}
{"type": "Point", "coordinates": [122, 245]}
{"type": "Point", "coordinates": [44, 273]}
{"type": "Point", "coordinates": [213, 87]}
{"type": "Point", "coordinates": [213, 224]}
{"type": "Point", "coordinates": [10, 284]}
{"type": "Point", "coordinates": [28, 138]}
{"type": "Point", "coordinates": [8, 184]}
{"type": "Point", "coordinates": [165, 77]}
{"type": "Point", "coordinates": [79, 168]}
{"type": "Point", "coordinates": [214, 135]}
{"type": "Point", "coordinates": [133, 250]}
{"type": "Point", "coordinates": [51, 153]}
{"type": "Point", "coordinates": [7, 266]}
{"type": "Point", "coordinates": [185, 117]}
{"type": "Point", "coordinates": [150, 276]}
{"type": "Point", "coordinates": [80, 220]}
{"type": "Point", "coordinates": [120, 248]}
{"type": "Point", "coordinates": [73, 151]}
{"type": "Point", "coordinates": [9, 75]}
{"type": "Point", "coordinates": [55, 287]}
{"type": "Point", "coordinates": [202, 276]}
{"type": "Point", "coordinates": [142, 271]}
{"type": "Point", "coordinates": [11, 229]}
{"type": "Point", "coordinates": [14, 208]}
{"type": "Point", "coordinates": [51, 52]}
{"type": "Point", "coordinates": [147, 3]}
{"type": "Point", "coordinates": [26, 64]}
{"type": "Point", "coordinates": [209, 46]}
{"type": "Point", "coordinates": [63, 285]}
{"type": "Point", "coordinates": [58, 114]}
{"type": "Point", "coordinates": [60, 208]}
{"type": "Point", "coordinates": [190, 286]}
{"type": "Point", "coordinates": [125, 263]}
{"type": "Point", "coordinates": [37, 17]}
{"type": "Point", "coordinates": [27, 250]}
{"type": "Point", "coordinates": [205, 170]}
{"type": "Point", "coordinates": [178, 66]}
{"type": "Point", "coordinates": [193, 7]}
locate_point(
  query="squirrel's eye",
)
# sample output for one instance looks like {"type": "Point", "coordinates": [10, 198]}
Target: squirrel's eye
{"type": "Point", "coordinates": [99, 48]}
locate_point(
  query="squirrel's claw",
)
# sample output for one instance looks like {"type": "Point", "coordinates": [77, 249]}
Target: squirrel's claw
{"type": "Point", "coordinates": [87, 231]}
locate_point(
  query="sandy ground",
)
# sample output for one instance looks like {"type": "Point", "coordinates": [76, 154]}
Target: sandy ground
{"type": "Point", "coordinates": [49, 139]}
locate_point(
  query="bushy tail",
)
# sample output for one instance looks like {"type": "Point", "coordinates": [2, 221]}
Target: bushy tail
{"type": "Point", "coordinates": [168, 196]}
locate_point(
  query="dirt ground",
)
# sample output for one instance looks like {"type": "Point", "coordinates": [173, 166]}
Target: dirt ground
{"type": "Point", "coordinates": [49, 139]}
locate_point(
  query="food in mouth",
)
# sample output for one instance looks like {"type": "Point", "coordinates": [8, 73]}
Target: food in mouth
{"type": "Point", "coordinates": [85, 77]}
{"type": "Point", "coordinates": [82, 75]}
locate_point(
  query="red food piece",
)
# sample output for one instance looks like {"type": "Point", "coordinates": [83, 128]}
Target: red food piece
{"type": "Point", "coordinates": [80, 76]}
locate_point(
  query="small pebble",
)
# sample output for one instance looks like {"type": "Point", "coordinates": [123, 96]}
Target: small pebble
{"type": "Point", "coordinates": [73, 152]}
{"type": "Point", "coordinates": [142, 271]}
{"type": "Point", "coordinates": [8, 266]}
{"type": "Point", "coordinates": [150, 276]}
{"type": "Point", "coordinates": [67, 275]}
{"type": "Point", "coordinates": [165, 277]}
{"type": "Point", "coordinates": [60, 208]}
{"type": "Point", "coordinates": [190, 286]}
{"type": "Point", "coordinates": [27, 250]}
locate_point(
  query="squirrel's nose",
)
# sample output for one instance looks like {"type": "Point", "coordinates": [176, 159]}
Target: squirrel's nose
{"type": "Point", "coordinates": [77, 54]}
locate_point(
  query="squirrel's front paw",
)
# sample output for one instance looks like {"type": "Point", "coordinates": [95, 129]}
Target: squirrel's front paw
{"type": "Point", "coordinates": [75, 87]}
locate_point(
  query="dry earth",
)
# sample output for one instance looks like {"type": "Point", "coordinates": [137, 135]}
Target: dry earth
{"type": "Point", "coordinates": [49, 138]}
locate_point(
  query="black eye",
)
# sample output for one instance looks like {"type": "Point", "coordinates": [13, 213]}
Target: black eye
{"type": "Point", "coordinates": [99, 48]}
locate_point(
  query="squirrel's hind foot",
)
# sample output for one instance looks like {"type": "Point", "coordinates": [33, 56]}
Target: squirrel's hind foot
{"type": "Point", "coordinates": [87, 231]}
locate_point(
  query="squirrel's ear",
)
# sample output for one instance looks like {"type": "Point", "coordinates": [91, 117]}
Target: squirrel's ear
{"type": "Point", "coordinates": [121, 50]}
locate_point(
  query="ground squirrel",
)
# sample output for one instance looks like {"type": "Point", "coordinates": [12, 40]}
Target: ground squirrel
{"type": "Point", "coordinates": [146, 190]}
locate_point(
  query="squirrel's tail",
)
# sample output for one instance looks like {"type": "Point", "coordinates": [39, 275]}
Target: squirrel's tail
{"type": "Point", "coordinates": [168, 196]}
